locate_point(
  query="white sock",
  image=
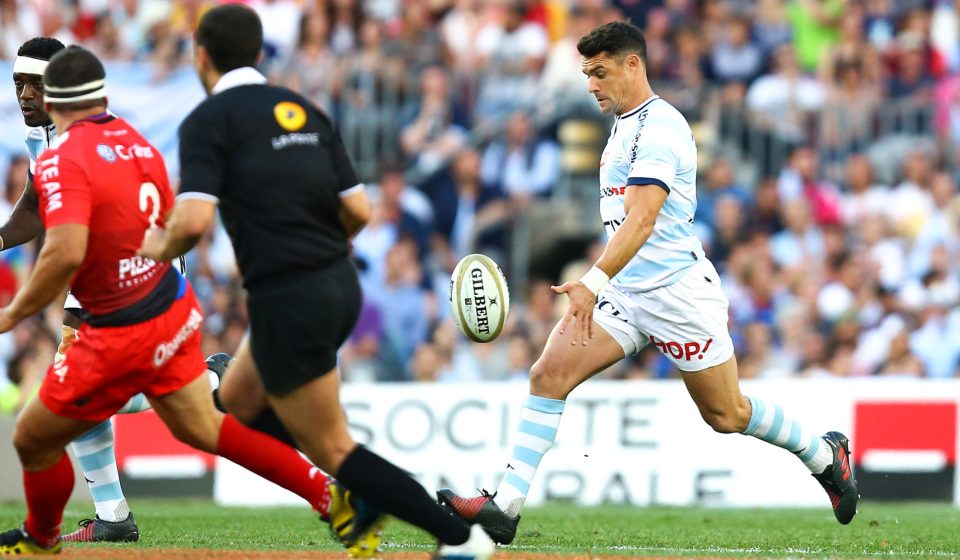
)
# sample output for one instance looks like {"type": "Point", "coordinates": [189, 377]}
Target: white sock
{"type": "Point", "coordinates": [769, 423]}
{"type": "Point", "coordinates": [94, 451]}
{"type": "Point", "coordinates": [138, 403]}
{"type": "Point", "coordinates": [539, 420]}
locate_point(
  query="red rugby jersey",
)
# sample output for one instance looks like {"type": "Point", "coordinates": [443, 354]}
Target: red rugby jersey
{"type": "Point", "coordinates": [103, 174]}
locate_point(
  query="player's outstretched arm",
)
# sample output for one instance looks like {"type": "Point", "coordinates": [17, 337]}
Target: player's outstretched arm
{"type": "Point", "coordinates": [62, 254]}
{"type": "Point", "coordinates": [188, 221]}
{"type": "Point", "coordinates": [641, 204]}
{"type": "Point", "coordinates": [24, 223]}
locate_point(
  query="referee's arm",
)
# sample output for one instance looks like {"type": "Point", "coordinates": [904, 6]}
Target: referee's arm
{"type": "Point", "coordinates": [188, 221]}
{"type": "Point", "coordinates": [354, 211]}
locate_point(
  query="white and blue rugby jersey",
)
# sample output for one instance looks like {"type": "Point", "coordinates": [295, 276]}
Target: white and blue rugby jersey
{"type": "Point", "coordinates": [38, 139]}
{"type": "Point", "coordinates": [653, 145]}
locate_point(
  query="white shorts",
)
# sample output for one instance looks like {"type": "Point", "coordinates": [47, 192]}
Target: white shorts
{"type": "Point", "coordinates": [686, 321]}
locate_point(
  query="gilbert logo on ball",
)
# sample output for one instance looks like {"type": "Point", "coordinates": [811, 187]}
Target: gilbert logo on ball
{"type": "Point", "coordinates": [479, 298]}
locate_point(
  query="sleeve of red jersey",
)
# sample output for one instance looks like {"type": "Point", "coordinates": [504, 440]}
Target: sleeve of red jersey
{"type": "Point", "coordinates": [202, 157]}
{"type": "Point", "coordinates": [64, 191]}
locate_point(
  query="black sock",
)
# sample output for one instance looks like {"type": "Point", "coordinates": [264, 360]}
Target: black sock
{"type": "Point", "coordinates": [382, 483]}
{"type": "Point", "coordinates": [268, 423]}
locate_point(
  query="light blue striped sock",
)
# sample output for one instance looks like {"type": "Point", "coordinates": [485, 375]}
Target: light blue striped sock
{"type": "Point", "coordinates": [138, 403]}
{"type": "Point", "coordinates": [769, 423]}
{"type": "Point", "coordinates": [539, 420]}
{"type": "Point", "coordinates": [94, 451]}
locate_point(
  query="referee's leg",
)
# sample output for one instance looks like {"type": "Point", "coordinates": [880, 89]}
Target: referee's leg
{"type": "Point", "coordinates": [313, 415]}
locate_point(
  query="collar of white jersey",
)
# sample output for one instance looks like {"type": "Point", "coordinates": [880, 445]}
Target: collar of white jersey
{"type": "Point", "coordinates": [633, 112]}
{"type": "Point", "coordinates": [245, 76]}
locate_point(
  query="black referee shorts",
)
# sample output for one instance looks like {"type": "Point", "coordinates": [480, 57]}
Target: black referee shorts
{"type": "Point", "coordinates": [298, 323]}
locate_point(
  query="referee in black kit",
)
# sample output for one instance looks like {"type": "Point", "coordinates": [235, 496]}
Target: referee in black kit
{"type": "Point", "coordinates": [290, 200]}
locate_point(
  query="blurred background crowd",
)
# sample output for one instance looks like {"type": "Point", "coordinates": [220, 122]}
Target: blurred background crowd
{"type": "Point", "coordinates": [828, 134]}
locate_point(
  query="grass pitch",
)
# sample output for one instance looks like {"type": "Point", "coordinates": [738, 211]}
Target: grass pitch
{"type": "Point", "coordinates": [879, 530]}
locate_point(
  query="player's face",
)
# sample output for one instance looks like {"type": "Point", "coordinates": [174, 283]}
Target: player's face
{"type": "Point", "coordinates": [610, 80]}
{"type": "Point", "coordinates": [30, 96]}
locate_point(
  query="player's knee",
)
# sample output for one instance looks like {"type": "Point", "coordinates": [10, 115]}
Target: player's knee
{"type": "Point", "coordinates": [198, 435]}
{"type": "Point", "coordinates": [729, 420]}
{"type": "Point", "coordinates": [545, 378]}
{"type": "Point", "coordinates": [29, 448]}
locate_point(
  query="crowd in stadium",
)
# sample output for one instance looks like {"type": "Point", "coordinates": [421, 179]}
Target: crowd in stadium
{"type": "Point", "coordinates": [828, 132]}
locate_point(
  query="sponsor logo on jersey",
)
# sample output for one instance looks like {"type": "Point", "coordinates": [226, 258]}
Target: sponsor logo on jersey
{"type": "Point", "coordinates": [296, 139]}
{"type": "Point", "coordinates": [167, 350]}
{"type": "Point", "coordinates": [135, 271]}
{"type": "Point", "coordinates": [290, 116]}
{"type": "Point", "coordinates": [106, 153]}
{"type": "Point", "coordinates": [133, 151]}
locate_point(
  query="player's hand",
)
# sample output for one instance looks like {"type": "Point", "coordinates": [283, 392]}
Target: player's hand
{"type": "Point", "coordinates": [579, 312]}
{"type": "Point", "coordinates": [152, 247]}
{"type": "Point", "coordinates": [7, 321]}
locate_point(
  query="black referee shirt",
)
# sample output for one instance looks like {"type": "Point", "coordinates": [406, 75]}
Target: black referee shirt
{"type": "Point", "coordinates": [277, 167]}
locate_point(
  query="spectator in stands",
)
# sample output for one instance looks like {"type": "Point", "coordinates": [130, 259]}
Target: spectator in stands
{"type": "Point", "coordinates": [312, 68]}
{"type": "Point", "coordinates": [801, 242]}
{"type": "Point", "coordinates": [782, 101]}
{"type": "Point", "coordinates": [417, 44]}
{"type": "Point", "coordinates": [910, 202]}
{"type": "Point", "coordinates": [470, 216]}
{"type": "Point", "coordinates": [512, 55]}
{"type": "Point", "coordinates": [563, 87]}
{"type": "Point", "coordinates": [815, 28]}
{"type": "Point", "coordinates": [345, 17]}
{"type": "Point", "coordinates": [852, 105]}
{"type": "Point", "coordinates": [770, 25]}
{"type": "Point", "coordinates": [911, 79]}
{"type": "Point", "coordinates": [720, 182]}
{"type": "Point", "coordinates": [736, 58]}
{"type": "Point", "coordinates": [522, 164]}
{"type": "Point", "coordinates": [459, 29]}
{"type": "Point", "coordinates": [404, 308]}
{"type": "Point", "coordinates": [861, 197]}
{"type": "Point", "coordinates": [434, 126]}
{"type": "Point", "coordinates": [802, 179]}
{"type": "Point", "coordinates": [281, 19]}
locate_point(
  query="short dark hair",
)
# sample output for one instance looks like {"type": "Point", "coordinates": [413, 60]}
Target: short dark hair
{"type": "Point", "coordinates": [41, 48]}
{"type": "Point", "coordinates": [74, 66]}
{"type": "Point", "coordinates": [232, 35]}
{"type": "Point", "coordinates": [616, 38]}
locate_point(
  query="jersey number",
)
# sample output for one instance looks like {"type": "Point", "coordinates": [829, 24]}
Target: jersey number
{"type": "Point", "coordinates": [148, 194]}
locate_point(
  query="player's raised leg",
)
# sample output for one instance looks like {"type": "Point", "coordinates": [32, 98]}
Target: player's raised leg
{"type": "Point", "coordinates": [40, 439]}
{"type": "Point", "coordinates": [562, 366]}
{"type": "Point", "coordinates": [94, 450]}
{"type": "Point", "coordinates": [716, 391]}
{"type": "Point", "coordinates": [353, 520]}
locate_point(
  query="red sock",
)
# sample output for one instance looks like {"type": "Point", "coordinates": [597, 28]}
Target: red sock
{"type": "Point", "coordinates": [47, 494]}
{"type": "Point", "coordinates": [275, 461]}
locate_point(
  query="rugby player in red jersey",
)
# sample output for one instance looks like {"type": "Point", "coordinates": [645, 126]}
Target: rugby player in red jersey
{"type": "Point", "coordinates": [101, 185]}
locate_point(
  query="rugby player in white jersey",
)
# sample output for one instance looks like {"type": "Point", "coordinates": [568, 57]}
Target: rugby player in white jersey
{"type": "Point", "coordinates": [652, 284]}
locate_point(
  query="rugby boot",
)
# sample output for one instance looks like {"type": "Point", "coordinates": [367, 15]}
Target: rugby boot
{"type": "Point", "coordinates": [838, 479]}
{"type": "Point", "coordinates": [356, 523]}
{"type": "Point", "coordinates": [478, 547]}
{"type": "Point", "coordinates": [501, 527]}
{"type": "Point", "coordinates": [16, 542]}
{"type": "Point", "coordinates": [98, 530]}
{"type": "Point", "coordinates": [217, 365]}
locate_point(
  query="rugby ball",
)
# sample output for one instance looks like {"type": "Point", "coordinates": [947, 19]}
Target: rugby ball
{"type": "Point", "coordinates": [479, 298]}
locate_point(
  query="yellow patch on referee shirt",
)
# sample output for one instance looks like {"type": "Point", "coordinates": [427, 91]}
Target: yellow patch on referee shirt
{"type": "Point", "coordinates": [290, 116]}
